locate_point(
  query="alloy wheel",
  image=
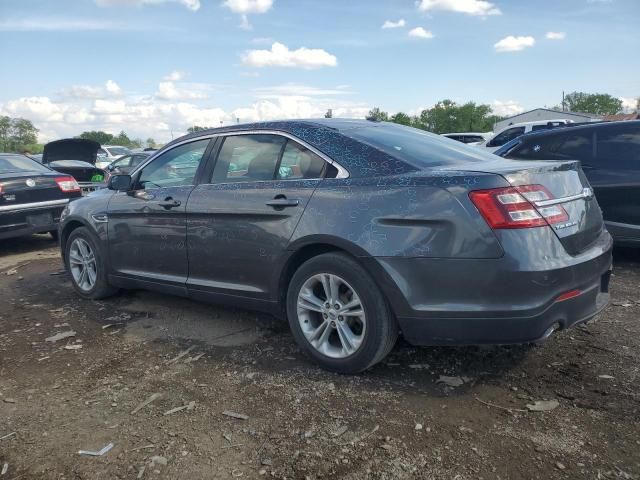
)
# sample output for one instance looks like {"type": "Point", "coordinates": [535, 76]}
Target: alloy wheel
{"type": "Point", "coordinates": [82, 262]}
{"type": "Point", "coordinates": [331, 315]}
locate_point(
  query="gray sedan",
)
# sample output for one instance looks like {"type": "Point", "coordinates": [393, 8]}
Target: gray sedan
{"type": "Point", "coordinates": [355, 231]}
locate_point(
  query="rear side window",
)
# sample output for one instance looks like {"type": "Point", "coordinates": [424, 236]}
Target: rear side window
{"type": "Point", "coordinates": [536, 148]}
{"type": "Point", "coordinates": [577, 145]}
{"type": "Point", "coordinates": [245, 158]}
{"type": "Point", "coordinates": [473, 139]}
{"type": "Point", "coordinates": [619, 147]}
{"type": "Point", "coordinates": [299, 162]}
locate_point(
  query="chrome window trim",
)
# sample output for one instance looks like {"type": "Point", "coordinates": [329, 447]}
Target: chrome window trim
{"type": "Point", "coordinates": [342, 172]}
{"type": "Point", "coordinates": [33, 205]}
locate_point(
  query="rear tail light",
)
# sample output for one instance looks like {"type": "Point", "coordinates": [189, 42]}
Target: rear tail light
{"type": "Point", "coordinates": [68, 184]}
{"type": "Point", "coordinates": [512, 207]}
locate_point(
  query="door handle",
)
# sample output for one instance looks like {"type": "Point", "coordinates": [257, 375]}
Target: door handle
{"type": "Point", "coordinates": [283, 202]}
{"type": "Point", "coordinates": [169, 203]}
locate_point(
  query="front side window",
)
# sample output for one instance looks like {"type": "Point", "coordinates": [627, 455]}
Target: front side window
{"type": "Point", "coordinates": [122, 162]}
{"type": "Point", "coordinates": [506, 136]}
{"type": "Point", "coordinates": [245, 158]}
{"type": "Point", "coordinates": [299, 162]}
{"type": "Point", "coordinates": [174, 168]}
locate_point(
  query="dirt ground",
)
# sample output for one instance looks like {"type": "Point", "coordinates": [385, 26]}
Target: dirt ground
{"type": "Point", "coordinates": [399, 420]}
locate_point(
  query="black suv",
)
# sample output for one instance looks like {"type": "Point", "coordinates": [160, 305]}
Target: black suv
{"type": "Point", "coordinates": [610, 156]}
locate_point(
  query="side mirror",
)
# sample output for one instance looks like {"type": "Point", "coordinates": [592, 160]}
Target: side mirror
{"type": "Point", "coordinates": [120, 183]}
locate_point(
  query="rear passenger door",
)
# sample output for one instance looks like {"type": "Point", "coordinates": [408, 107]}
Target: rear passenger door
{"type": "Point", "coordinates": [240, 222]}
{"type": "Point", "coordinates": [615, 175]}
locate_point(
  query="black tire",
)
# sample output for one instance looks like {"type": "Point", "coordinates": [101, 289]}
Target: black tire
{"type": "Point", "coordinates": [101, 288]}
{"type": "Point", "coordinates": [54, 234]}
{"type": "Point", "coordinates": [381, 327]}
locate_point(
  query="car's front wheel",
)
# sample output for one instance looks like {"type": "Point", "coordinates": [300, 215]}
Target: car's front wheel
{"type": "Point", "coordinates": [338, 315]}
{"type": "Point", "coordinates": [86, 265]}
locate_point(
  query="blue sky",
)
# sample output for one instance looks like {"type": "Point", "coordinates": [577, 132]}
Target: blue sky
{"type": "Point", "coordinates": [154, 67]}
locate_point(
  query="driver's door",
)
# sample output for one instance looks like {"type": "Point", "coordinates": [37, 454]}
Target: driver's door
{"type": "Point", "coordinates": [147, 225]}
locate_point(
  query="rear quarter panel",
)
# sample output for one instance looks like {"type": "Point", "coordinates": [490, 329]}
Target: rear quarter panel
{"type": "Point", "coordinates": [406, 215]}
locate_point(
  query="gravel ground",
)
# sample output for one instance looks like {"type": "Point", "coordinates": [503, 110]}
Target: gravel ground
{"type": "Point", "coordinates": [285, 418]}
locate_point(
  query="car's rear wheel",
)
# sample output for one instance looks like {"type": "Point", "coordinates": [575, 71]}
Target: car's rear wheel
{"type": "Point", "coordinates": [338, 315]}
{"type": "Point", "coordinates": [86, 265]}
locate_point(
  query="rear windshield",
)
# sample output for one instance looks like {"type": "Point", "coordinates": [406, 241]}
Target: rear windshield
{"type": "Point", "coordinates": [20, 163]}
{"type": "Point", "coordinates": [417, 147]}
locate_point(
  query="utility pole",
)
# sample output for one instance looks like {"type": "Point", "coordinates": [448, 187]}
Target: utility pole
{"type": "Point", "coordinates": [563, 101]}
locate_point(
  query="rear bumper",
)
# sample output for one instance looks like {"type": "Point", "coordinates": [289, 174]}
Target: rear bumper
{"type": "Point", "coordinates": [497, 301]}
{"type": "Point", "coordinates": [20, 222]}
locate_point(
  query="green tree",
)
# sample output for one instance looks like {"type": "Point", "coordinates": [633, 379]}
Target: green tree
{"type": "Point", "coordinates": [151, 143]}
{"type": "Point", "coordinates": [22, 134]}
{"type": "Point", "coordinates": [103, 138]}
{"type": "Point", "coordinates": [597, 103]}
{"type": "Point", "coordinates": [329, 114]}
{"type": "Point", "coordinates": [447, 116]}
{"type": "Point", "coordinates": [377, 115]}
{"type": "Point", "coordinates": [5, 133]}
{"type": "Point", "coordinates": [196, 128]}
{"type": "Point", "coordinates": [401, 118]}
{"type": "Point", "coordinates": [122, 139]}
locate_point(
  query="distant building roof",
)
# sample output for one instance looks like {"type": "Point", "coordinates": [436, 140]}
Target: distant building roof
{"type": "Point", "coordinates": [621, 116]}
{"type": "Point", "coordinates": [560, 112]}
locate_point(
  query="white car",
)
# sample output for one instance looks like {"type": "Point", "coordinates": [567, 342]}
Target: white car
{"type": "Point", "coordinates": [109, 153]}
{"type": "Point", "coordinates": [514, 131]}
{"type": "Point", "coordinates": [470, 138]}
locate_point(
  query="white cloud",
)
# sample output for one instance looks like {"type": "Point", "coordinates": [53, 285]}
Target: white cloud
{"type": "Point", "coordinates": [62, 25]}
{"type": "Point", "coordinates": [174, 76]}
{"type": "Point", "coordinates": [246, 7]}
{"type": "Point", "coordinates": [113, 88]}
{"type": "Point", "coordinates": [470, 7]}
{"type": "Point", "coordinates": [391, 24]}
{"type": "Point", "coordinates": [514, 44]}
{"type": "Point", "coordinates": [110, 89]}
{"type": "Point", "coordinates": [169, 91]}
{"type": "Point", "coordinates": [555, 36]}
{"type": "Point", "coordinates": [420, 32]}
{"type": "Point", "coordinates": [629, 104]}
{"type": "Point", "coordinates": [192, 5]}
{"type": "Point", "coordinates": [281, 56]}
{"type": "Point", "coordinates": [506, 108]}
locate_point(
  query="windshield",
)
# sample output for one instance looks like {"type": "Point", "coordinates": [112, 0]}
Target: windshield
{"type": "Point", "coordinates": [417, 147]}
{"type": "Point", "coordinates": [20, 163]}
{"type": "Point", "coordinates": [115, 151]}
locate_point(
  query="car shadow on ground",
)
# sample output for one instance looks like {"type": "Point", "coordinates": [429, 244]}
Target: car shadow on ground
{"type": "Point", "coordinates": [26, 244]}
{"type": "Point", "coordinates": [248, 340]}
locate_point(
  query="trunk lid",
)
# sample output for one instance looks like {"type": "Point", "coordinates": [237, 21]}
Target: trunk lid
{"type": "Point", "coordinates": [41, 187]}
{"type": "Point", "coordinates": [71, 149]}
{"type": "Point", "coordinates": [570, 189]}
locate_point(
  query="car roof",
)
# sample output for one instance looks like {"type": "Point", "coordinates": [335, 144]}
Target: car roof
{"type": "Point", "coordinates": [579, 126]}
